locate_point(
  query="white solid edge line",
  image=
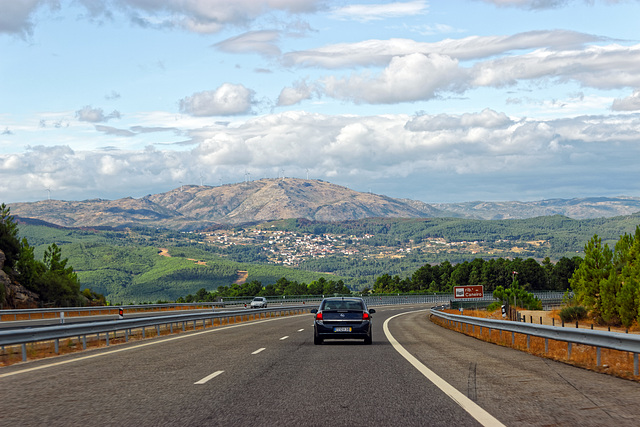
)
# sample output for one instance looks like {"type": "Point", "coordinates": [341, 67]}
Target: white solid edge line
{"type": "Point", "coordinates": [259, 350]}
{"type": "Point", "coordinates": [472, 408]}
{"type": "Point", "coordinates": [208, 377]}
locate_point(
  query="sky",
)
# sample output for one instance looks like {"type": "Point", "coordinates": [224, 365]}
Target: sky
{"type": "Point", "coordinates": [439, 101]}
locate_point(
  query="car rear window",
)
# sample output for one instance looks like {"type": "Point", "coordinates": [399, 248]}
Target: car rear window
{"type": "Point", "coordinates": [343, 305]}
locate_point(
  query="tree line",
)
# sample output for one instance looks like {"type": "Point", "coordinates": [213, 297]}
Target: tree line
{"type": "Point", "coordinates": [607, 282]}
{"type": "Point", "coordinates": [282, 287]}
{"type": "Point", "coordinates": [52, 280]}
{"type": "Point", "coordinates": [493, 273]}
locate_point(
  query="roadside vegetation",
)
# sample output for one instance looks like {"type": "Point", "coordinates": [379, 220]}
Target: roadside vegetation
{"type": "Point", "coordinates": [607, 283]}
{"type": "Point", "coordinates": [283, 287]}
{"type": "Point", "coordinates": [52, 280]}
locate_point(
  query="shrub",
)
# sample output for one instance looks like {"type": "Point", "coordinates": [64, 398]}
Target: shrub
{"type": "Point", "coordinates": [573, 313]}
{"type": "Point", "coordinates": [494, 306]}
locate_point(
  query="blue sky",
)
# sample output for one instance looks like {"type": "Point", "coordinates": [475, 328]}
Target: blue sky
{"type": "Point", "coordinates": [439, 101]}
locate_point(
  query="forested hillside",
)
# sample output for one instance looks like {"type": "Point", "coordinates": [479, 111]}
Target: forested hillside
{"type": "Point", "coordinates": [126, 265]}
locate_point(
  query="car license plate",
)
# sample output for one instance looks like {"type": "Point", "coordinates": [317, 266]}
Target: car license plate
{"type": "Point", "coordinates": [342, 329]}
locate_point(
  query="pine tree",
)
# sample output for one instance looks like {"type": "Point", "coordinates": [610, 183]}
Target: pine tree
{"type": "Point", "coordinates": [586, 280]}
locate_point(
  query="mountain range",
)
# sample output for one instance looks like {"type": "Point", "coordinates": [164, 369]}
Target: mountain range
{"type": "Point", "coordinates": [192, 207]}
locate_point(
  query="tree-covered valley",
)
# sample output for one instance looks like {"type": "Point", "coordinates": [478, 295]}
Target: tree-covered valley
{"type": "Point", "coordinates": [148, 264]}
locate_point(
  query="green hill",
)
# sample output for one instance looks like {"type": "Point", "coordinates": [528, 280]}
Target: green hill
{"type": "Point", "coordinates": [126, 266]}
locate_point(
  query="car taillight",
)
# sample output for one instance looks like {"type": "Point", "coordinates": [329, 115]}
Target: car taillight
{"type": "Point", "coordinates": [365, 315]}
{"type": "Point", "coordinates": [319, 315]}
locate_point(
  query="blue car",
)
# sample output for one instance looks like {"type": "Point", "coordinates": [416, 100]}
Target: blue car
{"type": "Point", "coordinates": [342, 318]}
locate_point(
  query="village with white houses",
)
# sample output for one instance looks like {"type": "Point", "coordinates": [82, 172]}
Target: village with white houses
{"type": "Point", "coordinates": [292, 248]}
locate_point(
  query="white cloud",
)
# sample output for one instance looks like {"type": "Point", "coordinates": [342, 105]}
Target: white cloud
{"type": "Point", "coordinates": [228, 99]}
{"type": "Point", "coordinates": [200, 16]}
{"type": "Point", "coordinates": [293, 95]}
{"type": "Point", "coordinates": [263, 42]}
{"type": "Point", "coordinates": [95, 115]}
{"type": "Point", "coordinates": [16, 14]}
{"type": "Point", "coordinates": [542, 4]}
{"type": "Point", "coordinates": [109, 130]}
{"type": "Point", "coordinates": [530, 4]}
{"type": "Point", "coordinates": [418, 76]}
{"type": "Point", "coordinates": [376, 12]}
{"type": "Point", "coordinates": [630, 103]}
{"type": "Point", "coordinates": [467, 149]}
{"type": "Point", "coordinates": [407, 78]}
{"type": "Point", "coordinates": [380, 52]}
{"type": "Point", "coordinates": [604, 67]}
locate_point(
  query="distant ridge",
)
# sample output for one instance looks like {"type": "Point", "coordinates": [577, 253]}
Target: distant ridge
{"type": "Point", "coordinates": [579, 208]}
{"type": "Point", "coordinates": [193, 207]}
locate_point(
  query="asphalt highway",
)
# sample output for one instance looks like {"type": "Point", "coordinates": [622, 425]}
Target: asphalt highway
{"type": "Point", "coordinates": [269, 372]}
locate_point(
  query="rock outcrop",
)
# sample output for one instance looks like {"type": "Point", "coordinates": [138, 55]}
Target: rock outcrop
{"type": "Point", "coordinates": [12, 294]}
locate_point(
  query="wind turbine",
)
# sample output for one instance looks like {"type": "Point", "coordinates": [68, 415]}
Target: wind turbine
{"type": "Point", "coordinates": [48, 193]}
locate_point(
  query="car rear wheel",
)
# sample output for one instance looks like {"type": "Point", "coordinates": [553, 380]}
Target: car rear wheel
{"type": "Point", "coordinates": [368, 340]}
{"type": "Point", "coordinates": [317, 340]}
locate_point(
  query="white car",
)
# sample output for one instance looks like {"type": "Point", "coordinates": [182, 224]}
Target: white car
{"type": "Point", "coordinates": [259, 302]}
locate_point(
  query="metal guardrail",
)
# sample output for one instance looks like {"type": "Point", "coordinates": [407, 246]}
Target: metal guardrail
{"type": "Point", "coordinates": [551, 296]}
{"type": "Point", "coordinates": [599, 339]}
{"type": "Point", "coordinates": [24, 336]}
{"type": "Point", "coordinates": [33, 312]}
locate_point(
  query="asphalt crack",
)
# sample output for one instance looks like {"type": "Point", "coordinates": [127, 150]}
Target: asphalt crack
{"type": "Point", "coordinates": [472, 390]}
{"type": "Point", "coordinates": [566, 381]}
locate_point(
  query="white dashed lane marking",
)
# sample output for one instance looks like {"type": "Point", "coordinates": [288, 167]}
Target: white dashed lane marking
{"type": "Point", "coordinates": [209, 377]}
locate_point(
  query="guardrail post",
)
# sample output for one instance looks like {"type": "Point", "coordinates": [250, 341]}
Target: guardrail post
{"type": "Point", "coordinates": [84, 342]}
{"type": "Point", "coordinates": [598, 356]}
{"type": "Point", "coordinates": [24, 352]}
{"type": "Point", "coordinates": [568, 350]}
{"type": "Point", "coordinates": [635, 364]}
{"type": "Point", "coordinates": [158, 329]}
{"type": "Point", "coordinates": [57, 345]}
{"type": "Point", "coordinates": [546, 345]}
{"type": "Point", "coordinates": [107, 339]}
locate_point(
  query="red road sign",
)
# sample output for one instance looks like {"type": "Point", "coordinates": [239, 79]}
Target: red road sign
{"type": "Point", "coordinates": [468, 291]}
